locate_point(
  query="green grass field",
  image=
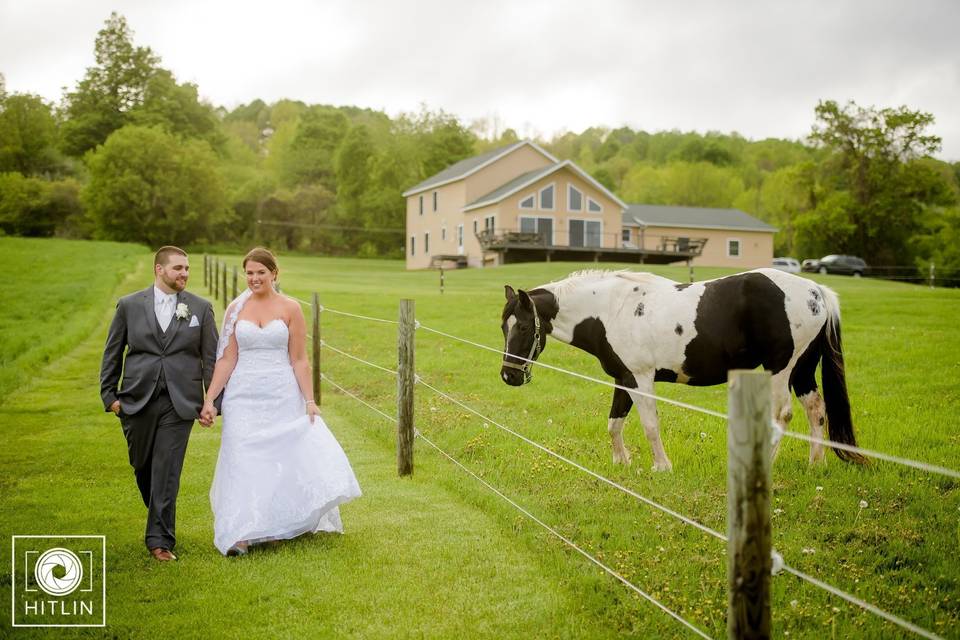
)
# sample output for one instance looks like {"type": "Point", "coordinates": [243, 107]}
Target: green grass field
{"type": "Point", "coordinates": [438, 555]}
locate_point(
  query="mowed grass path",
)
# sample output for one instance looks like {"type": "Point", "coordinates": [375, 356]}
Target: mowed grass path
{"type": "Point", "coordinates": [440, 556]}
{"type": "Point", "coordinates": [417, 560]}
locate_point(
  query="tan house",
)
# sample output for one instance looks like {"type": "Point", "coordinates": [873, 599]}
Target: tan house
{"type": "Point", "coordinates": [730, 237]}
{"type": "Point", "coordinates": [519, 204]}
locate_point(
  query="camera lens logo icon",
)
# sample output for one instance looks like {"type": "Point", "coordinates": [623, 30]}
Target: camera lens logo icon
{"type": "Point", "coordinates": [58, 571]}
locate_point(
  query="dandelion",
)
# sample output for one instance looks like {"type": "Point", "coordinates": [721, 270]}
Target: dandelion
{"type": "Point", "coordinates": [819, 488]}
{"type": "Point", "coordinates": [794, 603]}
{"type": "Point", "coordinates": [549, 420]}
{"type": "Point", "coordinates": [703, 435]}
{"type": "Point", "coordinates": [863, 505]}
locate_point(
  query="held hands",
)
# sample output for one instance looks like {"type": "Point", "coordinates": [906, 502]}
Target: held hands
{"type": "Point", "coordinates": [312, 410]}
{"type": "Point", "coordinates": [115, 407]}
{"type": "Point", "coordinates": [207, 413]}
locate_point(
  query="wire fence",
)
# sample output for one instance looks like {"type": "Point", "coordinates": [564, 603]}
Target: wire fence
{"type": "Point", "coordinates": [778, 563]}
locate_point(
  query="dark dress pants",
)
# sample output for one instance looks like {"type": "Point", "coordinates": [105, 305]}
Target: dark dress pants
{"type": "Point", "coordinates": [157, 443]}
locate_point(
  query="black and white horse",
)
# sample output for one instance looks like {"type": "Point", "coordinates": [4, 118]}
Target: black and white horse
{"type": "Point", "coordinates": [645, 328]}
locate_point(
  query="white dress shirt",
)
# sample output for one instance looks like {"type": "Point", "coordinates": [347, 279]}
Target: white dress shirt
{"type": "Point", "coordinates": [164, 305]}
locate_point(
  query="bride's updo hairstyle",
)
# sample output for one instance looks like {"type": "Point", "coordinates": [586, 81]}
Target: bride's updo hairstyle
{"type": "Point", "coordinates": [264, 257]}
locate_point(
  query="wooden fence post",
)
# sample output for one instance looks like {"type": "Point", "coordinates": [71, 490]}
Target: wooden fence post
{"type": "Point", "coordinates": [206, 271]}
{"type": "Point", "coordinates": [235, 278]}
{"type": "Point", "coordinates": [316, 347]}
{"type": "Point", "coordinates": [216, 279]}
{"type": "Point", "coordinates": [748, 505]}
{"type": "Point", "coordinates": [405, 382]}
{"type": "Point", "coordinates": [223, 271]}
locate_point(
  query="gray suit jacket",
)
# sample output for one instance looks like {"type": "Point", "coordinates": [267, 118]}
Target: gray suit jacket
{"type": "Point", "coordinates": [185, 358]}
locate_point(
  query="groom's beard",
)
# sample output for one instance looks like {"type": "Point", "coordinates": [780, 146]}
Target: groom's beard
{"type": "Point", "coordinates": [177, 284]}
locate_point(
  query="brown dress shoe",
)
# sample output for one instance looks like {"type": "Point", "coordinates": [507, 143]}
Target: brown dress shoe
{"type": "Point", "coordinates": [162, 555]}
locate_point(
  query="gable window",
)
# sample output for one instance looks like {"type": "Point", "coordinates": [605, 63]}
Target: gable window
{"type": "Point", "coordinates": [528, 202]}
{"type": "Point", "coordinates": [426, 242]}
{"type": "Point", "coordinates": [733, 247]}
{"type": "Point", "coordinates": [546, 198]}
{"type": "Point", "coordinates": [434, 201]}
{"type": "Point", "coordinates": [421, 205]}
{"type": "Point", "coordinates": [593, 206]}
{"type": "Point", "coordinates": [413, 245]}
{"type": "Point", "coordinates": [574, 198]}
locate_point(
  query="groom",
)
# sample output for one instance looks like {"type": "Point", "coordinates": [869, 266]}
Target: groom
{"type": "Point", "coordinates": [164, 340]}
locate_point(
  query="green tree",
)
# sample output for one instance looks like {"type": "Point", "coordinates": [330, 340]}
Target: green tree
{"type": "Point", "coordinates": [149, 186]}
{"type": "Point", "coordinates": [353, 171]}
{"type": "Point", "coordinates": [28, 135]}
{"type": "Point", "coordinates": [109, 90]}
{"type": "Point", "coordinates": [34, 207]}
{"type": "Point", "coordinates": [877, 186]}
{"type": "Point", "coordinates": [310, 155]}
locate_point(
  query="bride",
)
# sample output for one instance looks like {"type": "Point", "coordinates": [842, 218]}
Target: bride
{"type": "Point", "coordinates": [280, 472]}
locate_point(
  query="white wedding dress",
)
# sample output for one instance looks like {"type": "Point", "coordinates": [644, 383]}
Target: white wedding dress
{"type": "Point", "coordinates": [278, 476]}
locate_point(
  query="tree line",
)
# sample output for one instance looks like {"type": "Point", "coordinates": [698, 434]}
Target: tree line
{"type": "Point", "coordinates": [131, 154]}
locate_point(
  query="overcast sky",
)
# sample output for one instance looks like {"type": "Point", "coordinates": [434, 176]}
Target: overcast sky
{"type": "Point", "coordinates": [541, 67]}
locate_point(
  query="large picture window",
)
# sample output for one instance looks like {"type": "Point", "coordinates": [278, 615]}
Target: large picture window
{"type": "Point", "coordinates": [586, 233]}
{"type": "Point", "coordinates": [541, 226]}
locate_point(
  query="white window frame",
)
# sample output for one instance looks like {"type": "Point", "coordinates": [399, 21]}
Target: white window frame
{"type": "Point", "coordinates": [739, 248]}
{"type": "Point", "coordinates": [413, 246]}
{"type": "Point", "coordinates": [592, 201]}
{"type": "Point", "coordinates": [434, 201]}
{"type": "Point", "coordinates": [585, 221]}
{"type": "Point", "coordinates": [553, 226]}
{"type": "Point", "coordinates": [583, 198]}
{"type": "Point", "coordinates": [460, 236]}
{"type": "Point", "coordinates": [426, 243]}
{"type": "Point", "coordinates": [540, 206]}
{"type": "Point", "coordinates": [532, 207]}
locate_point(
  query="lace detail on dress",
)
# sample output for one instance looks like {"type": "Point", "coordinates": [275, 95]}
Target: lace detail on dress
{"type": "Point", "coordinates": [230, 321]}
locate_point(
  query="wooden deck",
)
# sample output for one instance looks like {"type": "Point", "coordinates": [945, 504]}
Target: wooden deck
{"type": "Point", "coordinates": [514, 246]}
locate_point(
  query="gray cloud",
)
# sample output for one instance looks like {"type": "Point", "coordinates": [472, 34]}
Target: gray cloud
{"type": "Point", "coordinates": [758, 68]}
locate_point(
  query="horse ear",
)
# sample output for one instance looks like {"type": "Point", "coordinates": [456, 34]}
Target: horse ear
{"type": "Point", "coordinates": [526, 302]}
{"type": "Point", "coordinates": [509, 292]}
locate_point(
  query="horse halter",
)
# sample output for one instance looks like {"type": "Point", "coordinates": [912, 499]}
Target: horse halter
{"type": "Point", "coordinates": [534, 349]}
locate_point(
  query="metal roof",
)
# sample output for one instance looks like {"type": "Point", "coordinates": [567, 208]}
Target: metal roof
{"type": "Point", "coordinates": [467, 166]}
{"type": "Point", "coordinates": [637, 215]}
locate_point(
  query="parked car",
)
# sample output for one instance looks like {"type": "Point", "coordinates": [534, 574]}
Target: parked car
{"type": "Point", "coordinates": [837, 264]}
{"type": "Point", "coordinates": [790, 265]}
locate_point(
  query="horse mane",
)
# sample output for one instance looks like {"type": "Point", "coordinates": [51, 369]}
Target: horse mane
{"type": "Point", "coordinates": [572, 281]}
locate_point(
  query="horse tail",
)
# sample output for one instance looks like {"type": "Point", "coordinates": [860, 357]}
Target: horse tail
{"type": "Point", "coordinates": [839, 421]}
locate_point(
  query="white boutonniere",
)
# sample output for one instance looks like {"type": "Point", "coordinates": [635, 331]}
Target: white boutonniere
{"type": "Point", "coordinates": [182, 311]}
